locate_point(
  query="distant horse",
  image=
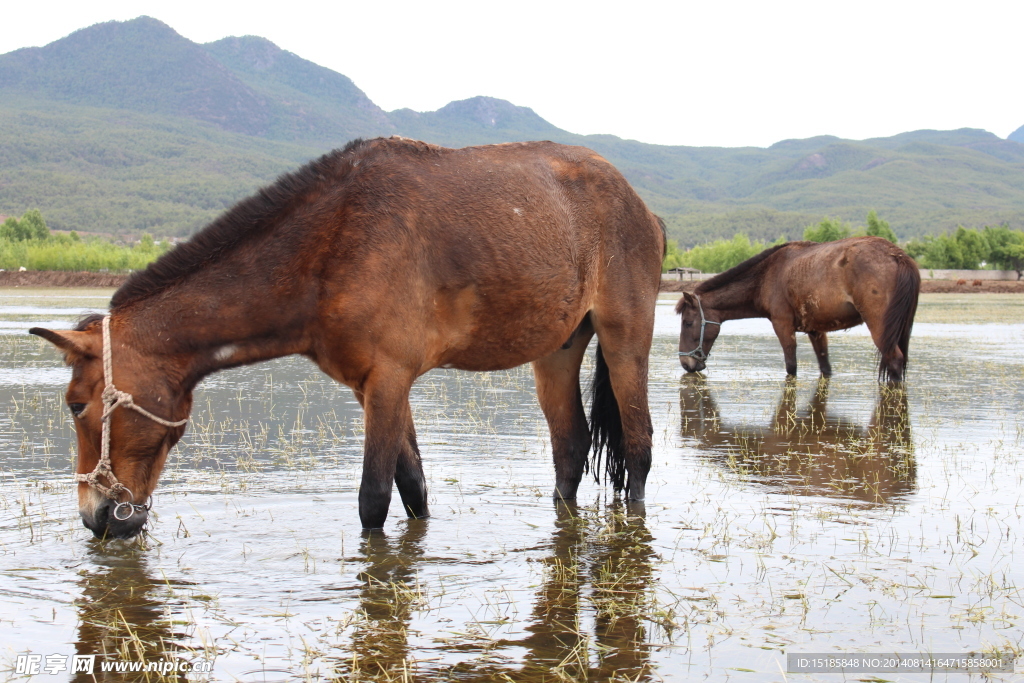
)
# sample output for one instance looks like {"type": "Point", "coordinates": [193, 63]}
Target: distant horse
{"type": "Point", "coordinates": [813, 288]}
{"type": "Point", "coordinates": [380, 262]}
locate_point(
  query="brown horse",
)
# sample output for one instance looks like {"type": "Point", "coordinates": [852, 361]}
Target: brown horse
{"type": "Point", "coordinates": [380, 262]}
{"type": "Point", "coordinates": [813, 288]}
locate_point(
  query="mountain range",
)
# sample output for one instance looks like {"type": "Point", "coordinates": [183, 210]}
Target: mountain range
{"type": "Point", "coordinates": [128, 127]}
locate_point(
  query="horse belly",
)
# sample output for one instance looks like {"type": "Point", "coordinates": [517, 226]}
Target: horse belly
{"type": "Point", "coordinates": [826, 314]}
{"type": "Point", "coordinates": [504, 343]}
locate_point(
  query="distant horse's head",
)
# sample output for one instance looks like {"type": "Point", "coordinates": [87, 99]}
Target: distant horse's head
{"type": "Point", "coordinates": [114, 503]}
{"type": "Point", "coordinates": [697, 333]}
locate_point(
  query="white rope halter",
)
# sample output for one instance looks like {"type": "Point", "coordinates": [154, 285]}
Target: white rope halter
{"type": "Point", "coordinates": [112, 398]}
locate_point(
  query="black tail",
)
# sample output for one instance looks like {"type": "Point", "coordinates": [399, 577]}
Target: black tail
{"type": "Point", "coordinates": [606, 427]}
{"type": "Point", "coordinates": [899, 317]}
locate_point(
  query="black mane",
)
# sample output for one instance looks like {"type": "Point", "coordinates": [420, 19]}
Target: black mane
{"type": "Point", "coordinates": [739, 272]}
{"type": "Point", "coordinates": [249, 218]}
{"type": "Point", "coordinates": [86, 320]}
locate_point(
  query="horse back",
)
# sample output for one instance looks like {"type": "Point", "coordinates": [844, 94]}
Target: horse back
{"type": "Point", "coordinates": [490, 255]}
{"type": "Point", "coordinates": [837, 285]}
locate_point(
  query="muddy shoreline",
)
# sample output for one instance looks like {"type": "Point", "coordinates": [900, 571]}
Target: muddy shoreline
{"type": "Point", "coordinates": [60, 278]}
{"type": "Point", "coordinates": [56, 278]}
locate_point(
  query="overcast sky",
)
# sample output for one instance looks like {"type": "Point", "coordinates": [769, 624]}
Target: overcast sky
{"type": "Point", "coordinates": [687, 73]}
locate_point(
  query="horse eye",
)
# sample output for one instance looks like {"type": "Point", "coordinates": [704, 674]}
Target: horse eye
{"type": "Point", "coordinates": [687, 323]}
{"type": "Point", "coordinates": [76, 408]}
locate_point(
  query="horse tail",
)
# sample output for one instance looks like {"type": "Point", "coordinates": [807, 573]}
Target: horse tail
{"type": "Point", "coordinates": [899, 316]}
{"type": "Point", "coordinates": [606, 427]}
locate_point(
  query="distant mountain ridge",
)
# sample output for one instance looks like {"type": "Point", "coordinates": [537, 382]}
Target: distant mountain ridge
{"type": "Point", "coordinates": [131, 127]}
{"type": "Point", "coordinates": [140, 65]}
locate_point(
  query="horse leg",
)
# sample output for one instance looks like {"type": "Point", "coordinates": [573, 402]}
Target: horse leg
{"type": "Point", "coordinates": [412, 485]}
{"type": "Point", "coordinates": [558, 390]}
{"type": "Point", "coordinates": [385, 399]}
{"type": "Point", "coordinates": [819, 342]}
{"type": "Point", "coordinates": [786, 333]}
{"type": "Point", "coordinates": [625, 347]}
{"type": "Point", "coordinates": [409, 478]}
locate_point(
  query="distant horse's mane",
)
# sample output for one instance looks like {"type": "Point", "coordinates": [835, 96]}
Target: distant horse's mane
{"type": "Point", "coordinates": [249, 218]}
{"type": "Point", "coordinates": [744, 271]}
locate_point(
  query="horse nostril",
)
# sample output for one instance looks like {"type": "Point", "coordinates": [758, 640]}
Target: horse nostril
{"type": "Point", "coordinates": [97, 521]}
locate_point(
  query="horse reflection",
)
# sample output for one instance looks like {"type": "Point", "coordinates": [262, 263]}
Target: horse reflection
{"type": "Point", "coordinates": [122, 614]}
{"type": "Point", "coordinates": [810, 452]}
{"type": "Point", "coordinates": [600, 564]}
{"type": "Point", "coordinates": [590, 615]}
{"type": "Point", "coordinates": [388, 598]}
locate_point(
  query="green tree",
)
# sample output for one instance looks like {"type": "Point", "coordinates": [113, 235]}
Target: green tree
{"type": "Point", "coordinates": [1010, 257]}
{"type": "Point", "coordinates": [722, 254]}
{"type": "Point", "coordinates": [828, 230]}
{"type": "Point", "coordinates": [673, 256]}
{"type": "Point", "coordinates": [879, 228]}
{"type": "Point", "coordinates": [963, 250]}
{"type": "Point", "coordinates": [34, 226]}
{"type": "Point", "coordinates": [974, 248]}
{"type": "Point", "coordinates": [146, 244]}
{"type": "Point", "coordinates": [1007, 248]}
{"type": "Point", "coordinates": [11, 230]}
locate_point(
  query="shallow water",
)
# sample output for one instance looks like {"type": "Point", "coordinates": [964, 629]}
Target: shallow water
{"type": "Point", "coordinates": [781, 517]}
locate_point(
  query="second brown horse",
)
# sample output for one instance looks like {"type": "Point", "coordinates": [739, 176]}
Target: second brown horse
{"type": "Point", "coordinates": [813, 288]}
{"type": "Point", "coordinates": [380, 262]}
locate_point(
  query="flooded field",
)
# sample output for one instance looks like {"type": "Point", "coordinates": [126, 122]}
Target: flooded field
{"type": "Point", "coordinates": [803, 517]}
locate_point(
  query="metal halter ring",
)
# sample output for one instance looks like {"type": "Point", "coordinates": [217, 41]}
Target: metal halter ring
{"type": "Point", "coordinates": [698, 352]}
{"type": "Point", "coordinates": [132, 507]}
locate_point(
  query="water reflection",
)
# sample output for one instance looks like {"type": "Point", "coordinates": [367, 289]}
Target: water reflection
{"type": "Point", "coordinates": [590, 616]}
{"type": "Point", "coordinates": [809, 451]}
{"type": "Point", "coordinates": [600, 565]}
{"type": "Point", "coordinates": [389, 595]}
{"type": "Point", "coordinates": [122, 614]}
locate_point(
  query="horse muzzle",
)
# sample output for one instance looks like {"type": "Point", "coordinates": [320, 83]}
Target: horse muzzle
{"type": "Point", "coordinates": [691, 364]}
{"type": "Point", "coordinates": [115, 520]}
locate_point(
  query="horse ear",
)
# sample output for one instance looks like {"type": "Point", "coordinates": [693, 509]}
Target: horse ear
{"type": "Point", "coordinates": [73, 344]}
{"type": "Point", "coordinates": [684, 300]}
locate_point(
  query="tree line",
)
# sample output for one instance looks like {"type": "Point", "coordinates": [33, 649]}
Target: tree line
{"type": "Point", "coordinates": [965, 249]}
{"type": "Point", "coordinates": [27, 242]}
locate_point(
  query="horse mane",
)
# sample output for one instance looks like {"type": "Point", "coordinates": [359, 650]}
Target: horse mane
{"type": "Point", "coordinates": [86, 320]}
{"type": "Point", "coordinates": [744, 271]}
{"type": "Point", "coordinates": [249, 218]}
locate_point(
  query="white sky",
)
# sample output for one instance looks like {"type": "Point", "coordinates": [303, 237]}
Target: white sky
{"type": "Point", "coordinates": [724, 73]}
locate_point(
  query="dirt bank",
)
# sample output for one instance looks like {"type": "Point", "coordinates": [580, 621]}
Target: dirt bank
{"type": "Point", "coordinates": [59, 278]}
{"type": "Point", "coordinates": [927, 286]}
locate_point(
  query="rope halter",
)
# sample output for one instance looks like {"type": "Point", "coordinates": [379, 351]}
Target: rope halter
{"type": "Point", "coordinates": [698, 352]}
{"type": "Point", "coordinates": [112, 398]}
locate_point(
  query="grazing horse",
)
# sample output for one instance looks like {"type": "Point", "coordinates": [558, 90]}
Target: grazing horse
{"type": "Point", "coordinates": [813, 288]}
{"type": "Point", "coordinates": [380, 262]}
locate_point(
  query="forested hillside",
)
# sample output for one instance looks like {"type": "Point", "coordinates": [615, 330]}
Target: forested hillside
{"type": "Point", "coordinates": [127, 127]}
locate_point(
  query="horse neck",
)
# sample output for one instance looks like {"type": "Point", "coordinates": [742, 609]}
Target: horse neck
{"type": "Point", "coordinates": [734, 300]}
{"type": "Point", "coordinates": [215, 320]}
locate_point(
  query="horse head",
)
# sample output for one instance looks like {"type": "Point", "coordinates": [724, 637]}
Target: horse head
{"type": "Point", "coordinates": [697, 333]}
{"type": "Point", "coordinates": [144, 415]}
